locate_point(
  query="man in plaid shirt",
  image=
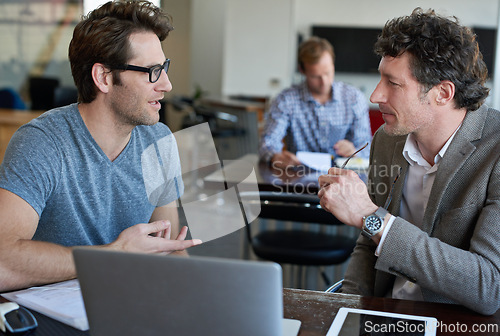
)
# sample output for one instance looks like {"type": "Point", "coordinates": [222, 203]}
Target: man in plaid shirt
{"type": "Point", "coordinates": [318, 115]}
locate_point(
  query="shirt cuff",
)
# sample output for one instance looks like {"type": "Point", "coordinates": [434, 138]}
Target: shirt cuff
{"type": "Point", "coordinates": [384, 234]}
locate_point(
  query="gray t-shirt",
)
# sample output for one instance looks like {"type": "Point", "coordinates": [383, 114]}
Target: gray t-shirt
{"type": "Point", "coordinates": [82, 197]}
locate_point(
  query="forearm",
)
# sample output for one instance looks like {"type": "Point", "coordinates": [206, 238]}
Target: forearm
{"type": "Point", "coordinates": [170, 213]}
{"type": "Point", "coordinates": [274, 131]}
{"type": "Point", "coordinates": [270, 144]}
{"type": "Point", "coordinates": [27, 263]}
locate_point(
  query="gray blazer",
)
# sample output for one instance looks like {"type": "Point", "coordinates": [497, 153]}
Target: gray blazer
{"type": "Point", "coordinates": [455, 256]}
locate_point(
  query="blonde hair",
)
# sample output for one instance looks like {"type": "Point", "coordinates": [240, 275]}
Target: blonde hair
{"type": "Point", "coordinates": [310, 51]}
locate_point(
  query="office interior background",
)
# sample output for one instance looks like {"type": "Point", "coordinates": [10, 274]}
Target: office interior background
{"type": "Point", "coordinates": [221, 48]}
{"type": "Point", "coordinates": [224, 47]}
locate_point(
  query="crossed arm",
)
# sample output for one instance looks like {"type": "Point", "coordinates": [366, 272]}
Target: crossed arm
{"type": "Point", "coordinates": [25, 262]}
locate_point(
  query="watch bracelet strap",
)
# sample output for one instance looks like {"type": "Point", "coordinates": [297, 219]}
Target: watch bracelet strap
{"type": "Point", "coordinates": [381, 213]}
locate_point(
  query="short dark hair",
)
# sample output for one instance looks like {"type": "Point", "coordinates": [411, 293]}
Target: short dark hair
{"type": "Point", "coordinates": [311, 50]}
{"type": "Point", "coordinates": [440, 49]}
{"type": "Point", "coordinates": [103, 37]}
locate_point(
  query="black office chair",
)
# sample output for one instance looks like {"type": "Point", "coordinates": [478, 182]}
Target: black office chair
{"type": "Point", "coordinates": [9, 98]}
{"type": "Point", "coordinates": [65, 95]}
{"type": "Point", "coordinates": [297, 246]}
{"type": "Point", "coordinates": [222, 124]}
{"type": "Point", "coordinates": [41, 91]}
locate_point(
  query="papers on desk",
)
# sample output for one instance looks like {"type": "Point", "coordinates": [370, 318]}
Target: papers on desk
{"type": "Point", "coordinates": [61, 301]}
{"type": "Point", "coordinates": [317, 161]}
{"type": "Point", "coordinates": [323, 161]}
{"type": "Point", "coordinates": [355, 163]}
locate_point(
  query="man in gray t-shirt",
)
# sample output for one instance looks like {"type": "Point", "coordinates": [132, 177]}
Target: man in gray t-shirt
{"type": "Point", "coordinates": [80, 196]}
{"type": "Point", "coordinates": [101, 172]}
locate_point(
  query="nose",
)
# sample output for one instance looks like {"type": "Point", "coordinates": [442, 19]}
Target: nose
{"type": "Point", "coordinates": [377, 95]}
{"type": "Point", "coordinates": [163, 83]}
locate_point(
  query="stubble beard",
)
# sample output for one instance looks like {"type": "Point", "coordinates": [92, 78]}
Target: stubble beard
{"type": "Point", "coordinates": [131, 114]}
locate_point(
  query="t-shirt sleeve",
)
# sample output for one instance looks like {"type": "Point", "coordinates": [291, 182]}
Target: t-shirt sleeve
{"type": "Point", "coordinates": [31, 166]}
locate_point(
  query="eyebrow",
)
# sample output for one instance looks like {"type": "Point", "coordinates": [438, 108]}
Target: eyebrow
{"type": "Point", "coordinates": [161, 63]}
{"type": "Point", "coordinates": [149, 65]}
{"type": "Point", "coordinates": [391, 77]}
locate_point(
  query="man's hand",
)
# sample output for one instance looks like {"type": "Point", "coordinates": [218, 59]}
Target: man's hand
{"type": "Point", "coordinates": [285, 160]}
{"type": "Point", "coordinates": [344, 148]}
{"type": "Point", "coordinates": [152, 237]}
{"type": "Point", "coordinates": [345, 195]}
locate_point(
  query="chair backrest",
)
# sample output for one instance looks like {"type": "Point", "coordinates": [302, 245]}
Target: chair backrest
{"type": "Point", "coordinates": [291, 207]}
{"type": "Point", "coordinates": [11, 99]}
{"type": "Point", "coordinates": [297, 246]}
{"type": "Point", "coordinates": [376, 120]}
{"type": "Point", "coordinates": [65, 95]}
{"type": "Point", "coordinates": [42, 92]}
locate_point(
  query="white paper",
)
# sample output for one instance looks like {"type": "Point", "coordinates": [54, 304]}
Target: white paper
{"type": "Point", "coordinates": [61, 301]}
{"type": "Point", "coordinates": [354, 163]}
{"type": "Point", "coordinates": [317, 161]}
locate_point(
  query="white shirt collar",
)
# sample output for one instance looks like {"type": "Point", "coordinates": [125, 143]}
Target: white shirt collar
{"type": "Point", "coordinates": [412, 154]}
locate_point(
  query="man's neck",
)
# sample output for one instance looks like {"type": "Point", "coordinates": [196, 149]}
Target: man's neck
{"type": "Point", "coordinates": [322, 98]}
{"type": "Point", "coordinates": [431, 140]}
{"type": "Point", "coordinates": [109, 135]}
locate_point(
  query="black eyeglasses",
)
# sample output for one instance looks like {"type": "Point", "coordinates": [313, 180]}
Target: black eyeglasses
{"type": "Point", "coordinates": [154, 71]}
{"type": "Point", "coordinates": [352, 155]}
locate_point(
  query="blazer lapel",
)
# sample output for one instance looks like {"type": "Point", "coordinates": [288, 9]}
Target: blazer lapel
{"type": "Point", "coordinates": [398, 160]}
{"type": "Point", "coordinates": [460, 149]}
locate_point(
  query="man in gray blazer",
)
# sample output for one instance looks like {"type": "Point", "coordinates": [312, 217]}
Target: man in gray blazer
{"type": "Point", "coordinates": [430, 219]}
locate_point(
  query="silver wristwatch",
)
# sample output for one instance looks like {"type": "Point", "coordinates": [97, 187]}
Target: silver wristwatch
{"type": "Point", "coordinates": [373, 223]}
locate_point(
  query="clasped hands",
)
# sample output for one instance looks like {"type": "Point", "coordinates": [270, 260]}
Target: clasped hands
{"type": "Point", "coordinates": [345, 195]}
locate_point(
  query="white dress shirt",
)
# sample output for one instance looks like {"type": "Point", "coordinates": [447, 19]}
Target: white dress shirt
{"type": "Point", "coordinates": [416, 191]}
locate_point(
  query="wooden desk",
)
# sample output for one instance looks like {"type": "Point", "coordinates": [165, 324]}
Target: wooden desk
{"type": "Point", "coordinates": [249, 110]}
{"type": "Point", "coordinates": [256, 106]}
{"type": "Point", "coordinates": [317, 310]}
{"type": "Point", "coordinates": [10, 121]}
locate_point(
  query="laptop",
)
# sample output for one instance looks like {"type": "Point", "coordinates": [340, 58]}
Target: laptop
{"type": "Point", "coordinates": [144, 294]}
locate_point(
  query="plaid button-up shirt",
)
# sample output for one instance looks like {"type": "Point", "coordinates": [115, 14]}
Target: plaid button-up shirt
{"type": "Point", "coordinates": [306, 125]}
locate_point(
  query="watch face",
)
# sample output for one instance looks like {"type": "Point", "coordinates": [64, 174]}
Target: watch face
{"type": "Point", "coordinates": [373, 223]}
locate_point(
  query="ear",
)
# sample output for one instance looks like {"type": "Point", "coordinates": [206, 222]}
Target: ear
{"type": "Point", "coordinates": [102, 77]}
{"type": "Point", "coordinates": [445, 92]}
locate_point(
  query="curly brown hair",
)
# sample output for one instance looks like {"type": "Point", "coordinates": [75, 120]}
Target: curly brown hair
{"type": "Point", "coordinates": [440, 49]}
{"type": "Point", "coordinates": [103, 37]}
